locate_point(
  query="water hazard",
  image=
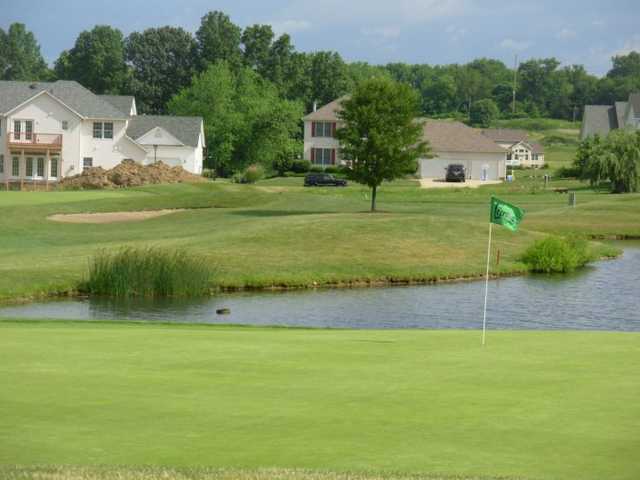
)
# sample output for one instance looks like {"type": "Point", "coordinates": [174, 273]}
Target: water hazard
{"type": "Point", "coordinates": [605, 296]}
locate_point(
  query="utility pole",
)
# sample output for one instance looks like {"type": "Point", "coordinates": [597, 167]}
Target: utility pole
{"type": "Point", "coordinates": [515, 83]}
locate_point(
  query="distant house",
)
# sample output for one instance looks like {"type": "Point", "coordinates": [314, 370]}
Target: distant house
{"type": "Point", "coordinates": [457, 143]}
{"type": "Point", "coordinates": [452, 142]}
{"type": "Point", "coordinates": [601, 119]}
{"type": "Point", "coordinates": [49, 130]}
{"type": "Point", "coordinates": [321, 147]}
{"type": "Point", "coordinates": [520, 150]}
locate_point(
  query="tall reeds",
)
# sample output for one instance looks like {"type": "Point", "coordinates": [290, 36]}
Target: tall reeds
{"type": "Point", "coordinates": [148, 272]}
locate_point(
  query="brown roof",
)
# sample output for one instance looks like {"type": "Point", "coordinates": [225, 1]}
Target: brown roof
{"type": "Point", "coordinates": [536, 147]}
{"type": "Point", "coordinates": [447, 136]}
{"type": "Point", "coordinates": [327, 112]}
{"type": "Point", "coordinates": [506, 135]}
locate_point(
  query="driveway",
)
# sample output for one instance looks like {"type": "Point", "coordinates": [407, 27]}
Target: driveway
{"type": "Point", "coordinates": [440, 183]}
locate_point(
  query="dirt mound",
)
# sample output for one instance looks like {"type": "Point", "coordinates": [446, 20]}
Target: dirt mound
{"type": "Point", "coordinates": [129, 174]}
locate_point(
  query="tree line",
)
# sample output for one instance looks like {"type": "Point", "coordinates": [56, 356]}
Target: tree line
{"type": "Point", "coordinates": [252, 86]}
{"type": "Point", "coordinates": [159, 62]}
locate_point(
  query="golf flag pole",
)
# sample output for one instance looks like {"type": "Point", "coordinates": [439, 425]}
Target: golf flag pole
{"type": "Point", "coordinates": [486, 287]}
{"type": "Point", "coordinates": [509, 216]}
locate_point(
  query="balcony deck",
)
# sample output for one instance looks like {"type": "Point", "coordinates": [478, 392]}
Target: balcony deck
{"type": "Point", "coordinates": [35, 141]}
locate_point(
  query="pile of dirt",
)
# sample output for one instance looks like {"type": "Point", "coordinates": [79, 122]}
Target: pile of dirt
{"type": "Point", "coordinates": [129, 174]}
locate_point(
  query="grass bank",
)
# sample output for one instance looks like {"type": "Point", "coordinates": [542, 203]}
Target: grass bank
{"type": "Point", "coordinates": [539, 405]}
{"type": "Point", "coordinates": [277, 233]}
{"type": "Point", "coordinates": [159, 473]}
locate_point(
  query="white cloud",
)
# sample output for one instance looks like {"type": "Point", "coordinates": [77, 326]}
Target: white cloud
{"type": "Point", "coordinates": [289, 26]}
{"type": "Point", "coordinates": [566, 34]}
{"type": "Point", "coordinates": [599, 23]}
{"type": "Point", "coordinates": [630, 45]}
{"type": "Point", "coordinates": [381, 32]}
{"type": "Point", "coordinates": [511, 44]}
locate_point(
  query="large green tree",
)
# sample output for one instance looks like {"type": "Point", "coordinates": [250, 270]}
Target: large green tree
{"type": "Point", "coordinates": [329, 77]}
{"type": "Point", "coordinates": [219, 40]}
{"type": "Point", "coordinates": [616, 159]}
{"type": "Point", "coordinates": [625, 65]}
{"type": "Point", "coordinates": [163, 61]}
{"type": "Point", "coordinates": [96, 60]}
{"type": "Point", "coordinates": [21, 57]}
{"type": "Point", "coordinates": [483, 113]}
{"type": "Point", "coordinates": [257, 40]}
{"type": "Point", "coordinates": [379, 134]}
{"type": "Point", "coordinates": [246, 120]}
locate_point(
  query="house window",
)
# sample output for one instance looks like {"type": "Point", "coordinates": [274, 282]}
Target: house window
{"type": "Point", "coordinates": [1, 163]}
{"type": "Point", "coordinates": [65, 125]}
{"type": "Point", "coordinates": [40, 167]}
{"type": "Point", "coordinates": [509, 156]}
{"type": "Point", "coordinates": [323, 129]}
{"type": "Point", "coordinates": [97, 129]}
{"type": "Point", "coordinates": [53, 171]}
{"type": "Point", "coordinates": [28, 129]}
{"type": "Point", "coordinates": [29, 167]}
{"type": "Point", "coordinates": [108, 130]}
{"type": "Point", "coordinates": [87, 162]}
{"type": "Point", "coordinates": [535, 157]}
{"type": "Point", "coordinates": [17, 125]}
{"type": "Point", "coordinates": [15, 166]}
{"type": "Point", "coordinates": [323, 156]}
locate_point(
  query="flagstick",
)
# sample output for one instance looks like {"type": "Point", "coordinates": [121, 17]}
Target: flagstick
{"type": "Point", "coordinates": [486, 288]}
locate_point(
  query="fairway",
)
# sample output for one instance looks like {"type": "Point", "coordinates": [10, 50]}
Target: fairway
{"type": "Point", "coordinates": [529, 405]}
{"type": "Point", "coordinates": [279, 234]}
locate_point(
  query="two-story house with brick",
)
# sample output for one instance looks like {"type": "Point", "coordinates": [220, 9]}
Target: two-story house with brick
{"type": "Point", "coordinates": [321, 147]}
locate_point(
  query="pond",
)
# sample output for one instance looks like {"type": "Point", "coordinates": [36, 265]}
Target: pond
{"type": "Point", "coordinates": [604, 296]}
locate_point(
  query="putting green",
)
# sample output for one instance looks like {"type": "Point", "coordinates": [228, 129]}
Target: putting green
{"type": "Point", "coordinates": [529, 405]}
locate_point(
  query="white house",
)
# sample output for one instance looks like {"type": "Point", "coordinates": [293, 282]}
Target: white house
{"type": "Point", "coordinates": [457, 143]}
{"type": "Point", "coordinates": [320, 145]}
{"type": "Point", "coordinates": [601, 119]}
{"type": "Point", "coordinates": [520, 150]}
{"type": "Point", "coordinates": [52, 130]}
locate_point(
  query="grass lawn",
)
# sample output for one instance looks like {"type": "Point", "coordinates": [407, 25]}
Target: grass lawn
{"type": "Point", "coordinates": [279, 233]}
{"type": "Point", "coordinates": [536, 405]}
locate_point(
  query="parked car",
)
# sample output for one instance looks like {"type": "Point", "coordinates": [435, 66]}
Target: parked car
{"type": "Point", "coordinates": [455, 173]}
{"type": "Point", "coordinates": [323, 180]}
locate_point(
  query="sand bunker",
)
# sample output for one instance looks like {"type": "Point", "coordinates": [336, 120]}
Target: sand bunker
{"type": "Point", "coordinates": [111, 217]}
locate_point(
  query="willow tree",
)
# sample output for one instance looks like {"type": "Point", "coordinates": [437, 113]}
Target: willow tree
{"type": "Point", "coordinates": [379, 133]}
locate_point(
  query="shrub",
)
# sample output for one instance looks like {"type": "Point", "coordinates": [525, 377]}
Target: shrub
{"type": "Point", "coordinates": [555, 139]}
{"type": "Point", "coordinates": [209, 173]}
{"type": "Point", "coordinates": [332, 169]}
{"type": "Point", "coordinates": [557, 255]}
{"type": "Point", "coordinates": [300, 166]}
{"type": "Point", "coordinates": [316, 169]}
{"type": "Point", "coordinates": [568, 172]}
{"type": "Point", "coordinates": [253, 173]}
{"type": "Point", "coordinates": [148, 272]}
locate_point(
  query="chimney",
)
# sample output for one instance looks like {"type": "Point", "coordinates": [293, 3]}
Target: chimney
{"type": "Point", "coordinates": [315, 106]}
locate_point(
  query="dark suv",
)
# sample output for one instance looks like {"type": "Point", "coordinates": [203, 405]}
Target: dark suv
{"type": "Point", "coordinates": [455, 173]}
{"type": "Point", "coordinates": [323, 180]}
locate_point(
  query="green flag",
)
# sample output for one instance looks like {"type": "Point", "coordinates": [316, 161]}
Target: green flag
{"type": "Point", "coordinates": [505, 214]}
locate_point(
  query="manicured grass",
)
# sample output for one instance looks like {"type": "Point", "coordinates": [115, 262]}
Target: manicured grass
{"type": "Point", "coordinates": [279, 233]}
{"type": "Point", "coordinates": [529, 405]}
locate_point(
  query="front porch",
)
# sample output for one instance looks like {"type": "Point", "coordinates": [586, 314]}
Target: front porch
{"type": "Point", "coordinates": [32, 169]}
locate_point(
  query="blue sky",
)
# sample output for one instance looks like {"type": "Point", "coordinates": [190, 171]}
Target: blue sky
{"type": "Point", "coordinates": [588, 32]}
